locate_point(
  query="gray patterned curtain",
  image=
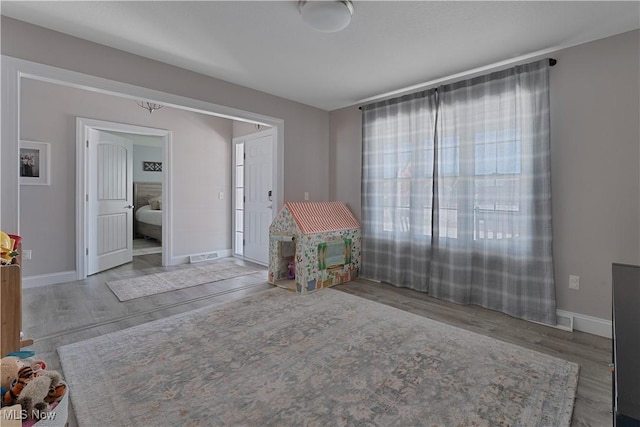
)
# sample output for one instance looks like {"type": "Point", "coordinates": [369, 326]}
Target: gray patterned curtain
{"type": "Point", "coordinates": [397, 182]}
{"type": "Point", "coordinates": [485, 236]}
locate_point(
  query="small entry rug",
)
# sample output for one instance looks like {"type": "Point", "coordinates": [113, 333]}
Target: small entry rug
{"type": "Point", "coordinates": [276, 358]}
{"type": "Point", "coordinates": [151, 284]}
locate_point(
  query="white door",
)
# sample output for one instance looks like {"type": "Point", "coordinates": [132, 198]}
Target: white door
{"type": "Point", "coordinates": [258, 204]}
{"type": "Point", "coordinates": [110, 201]}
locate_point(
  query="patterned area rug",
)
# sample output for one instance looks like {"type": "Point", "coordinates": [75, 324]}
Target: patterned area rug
{"type": "Point", "coordinates": [326, 359]}
{"type": "Point", "coordinates": [157, 283]}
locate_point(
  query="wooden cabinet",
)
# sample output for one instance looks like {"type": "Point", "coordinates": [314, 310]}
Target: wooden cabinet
{"type": "Point", "coordinates": [11, 309]}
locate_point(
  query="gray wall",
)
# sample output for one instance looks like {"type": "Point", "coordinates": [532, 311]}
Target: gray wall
{"type": "Point", "coordinates": [201, 158]}
{"type": "Point", "coordinates": [146, 151]}
{"type": "Point", "coordinates": [306, 134]}
{"type": "Point", "coordinates": [595, 152]}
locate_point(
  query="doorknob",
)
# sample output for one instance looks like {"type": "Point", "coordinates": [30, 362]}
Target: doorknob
{"type": "Point", "coordinates": [129, 207]}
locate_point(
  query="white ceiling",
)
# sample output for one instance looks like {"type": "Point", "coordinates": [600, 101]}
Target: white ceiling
{"type": "Point", "coordinates": [390, 45]}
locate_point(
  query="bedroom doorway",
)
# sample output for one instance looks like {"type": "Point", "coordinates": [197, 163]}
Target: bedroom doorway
{"type": "Point", "coordinates": [106, 192]}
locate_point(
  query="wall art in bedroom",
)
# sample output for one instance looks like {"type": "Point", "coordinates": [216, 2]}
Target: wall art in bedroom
{"type": "Point", "coordinates": [152, 166]}
{"type": "Point", "coordinates": [34, 163]}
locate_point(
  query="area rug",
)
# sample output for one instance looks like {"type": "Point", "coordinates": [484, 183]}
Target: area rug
{"type": "Point", "coordinates": [151, 284]}
{"type": "Point", "coordinates": [325, 359]}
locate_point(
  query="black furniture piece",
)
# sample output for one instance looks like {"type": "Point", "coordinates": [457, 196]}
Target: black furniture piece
{"type": "Point", "coordinates": [626, 345]}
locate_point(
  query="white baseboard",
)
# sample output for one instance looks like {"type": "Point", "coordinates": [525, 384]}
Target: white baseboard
{"type": "Point", "coordinates": [584, 323]}
{"type": "Point", "coordinates": [591, 325]}
{"type": "Point", "coordinates": [48, 279]}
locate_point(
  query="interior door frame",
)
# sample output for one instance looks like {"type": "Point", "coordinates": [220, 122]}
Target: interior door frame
{"type": "Point", "coordinates": [83, 127]}
{"type": "Point", "coordinates": [15, 69]}
{"type": "Point", "coordinates": [276, 207]}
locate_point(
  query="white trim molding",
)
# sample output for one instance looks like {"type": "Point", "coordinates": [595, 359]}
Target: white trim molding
{"type": "Point", "coordinates": [592, 325]}
{"type": "Point", "coordinates": [48, 279]}
{"type": "Point", "coordinates": [585, 323]}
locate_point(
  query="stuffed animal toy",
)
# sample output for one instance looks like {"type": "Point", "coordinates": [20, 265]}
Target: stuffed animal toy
{"type": "Point", "coordinates": [9, 367]}
{"type": "Point", "coordinates": [42, 389]}
{"type": "Point", "coordinates": [25, 374]}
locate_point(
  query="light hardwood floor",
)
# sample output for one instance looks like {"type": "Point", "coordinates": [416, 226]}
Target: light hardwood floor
{"type": "Point", "coordinates": [61, 314]}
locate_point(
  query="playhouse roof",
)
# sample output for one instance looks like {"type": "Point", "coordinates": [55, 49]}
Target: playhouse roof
{"type": "Point", "coordinates": [318, 217]}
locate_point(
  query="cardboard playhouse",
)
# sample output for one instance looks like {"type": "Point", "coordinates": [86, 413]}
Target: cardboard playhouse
{"type": "Point", "coordinates": [313, 245]}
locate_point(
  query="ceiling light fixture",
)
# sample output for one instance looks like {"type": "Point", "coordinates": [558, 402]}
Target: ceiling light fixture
{"type": "Point", "coordinates": [327, 16]}
{"type": "Point", "coordinates": [149, 106]}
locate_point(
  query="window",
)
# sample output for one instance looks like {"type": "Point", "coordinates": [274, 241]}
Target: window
{"type": "Point", "coordinates": [239, 198]}
{"type": "Point", "coordinates": [456, 191]}
{"type": "Point", "coordinates": [498, 166]}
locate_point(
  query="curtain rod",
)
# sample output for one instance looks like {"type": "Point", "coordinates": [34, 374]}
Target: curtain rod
{"type": "Point", "coordinates": [552, 62]}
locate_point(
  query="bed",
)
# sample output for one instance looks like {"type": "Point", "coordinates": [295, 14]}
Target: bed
{"type": "Point", "coordinates": [147, 199]}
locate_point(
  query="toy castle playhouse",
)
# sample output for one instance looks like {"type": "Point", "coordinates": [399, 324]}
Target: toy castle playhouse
{"type": "Point", "coordinates": [313, 245]}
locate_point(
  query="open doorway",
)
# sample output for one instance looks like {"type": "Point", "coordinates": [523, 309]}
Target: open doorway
{"type": "Point", "coordinates": [120, 199]}
{"type": "Point", "coordinates": [148, 201]}
{"type": "Point", "coordinates": [63, 267]}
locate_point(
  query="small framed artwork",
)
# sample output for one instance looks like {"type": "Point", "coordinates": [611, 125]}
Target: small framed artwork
{"type": "Point", "coordinates": [152, 166]}
{"type": "Point", "coordinates": [35, 162]}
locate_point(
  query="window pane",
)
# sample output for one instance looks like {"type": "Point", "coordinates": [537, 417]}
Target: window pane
{"type": "Point", "coordinates": [239, 198]}
{"type": "Point", "coordinates": [497, 194]}
{"type": "Point", "coordinates": [389, 166]}
{"type": "Point", "coordinates": [449, 223]}
{"type": "Point", "coordinates": [508, 157]}
{"type": "Point", "coordinates": [239, 176]}
{"type": "Point", "coordinates": [240, 154]}
{"type": "Point", "coordinates": [507, 194]}
{"type": "Point", "coordinates": [483, 194]}
{"type": "Point", "coordinates": [403, 220]}
{"type": "Point", "coordinates": [389, 193]}
{"type": "Point", "coordinates": [239, 246]}
{"type": "Point", "coordinates": [485, 159]}
{"type": "Point", "coordinates": [449, 161]}
{"type": "Point", "coordinates": [404, 193]}
{"type": "Point", "coordinates": [388, 219]}
{"type": "Point", "coordinates": [239, 220]}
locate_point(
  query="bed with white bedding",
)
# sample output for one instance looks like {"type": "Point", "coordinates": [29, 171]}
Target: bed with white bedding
{"type": "Point", "coordinates": [147, 198]}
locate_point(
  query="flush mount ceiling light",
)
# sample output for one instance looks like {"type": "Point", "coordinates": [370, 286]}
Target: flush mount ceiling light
{"type": "Point", "coordinates": [328, 16]}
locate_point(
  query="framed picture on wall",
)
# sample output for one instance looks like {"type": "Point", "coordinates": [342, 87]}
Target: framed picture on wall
{"type": "Point", "coordinates": [35, 162]}
{"type": "Point", "coordinates": [152, 166]}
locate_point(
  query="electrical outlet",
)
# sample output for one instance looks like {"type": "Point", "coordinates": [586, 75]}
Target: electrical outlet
{"type": "Point", "coordinates": [306, 195]}
{"type": "Point", "coordinates": [574, 282]}
{"type": "Point", "coordinates": [220, 195]}
{"type": "Point", "coordinates": [26, 254]}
